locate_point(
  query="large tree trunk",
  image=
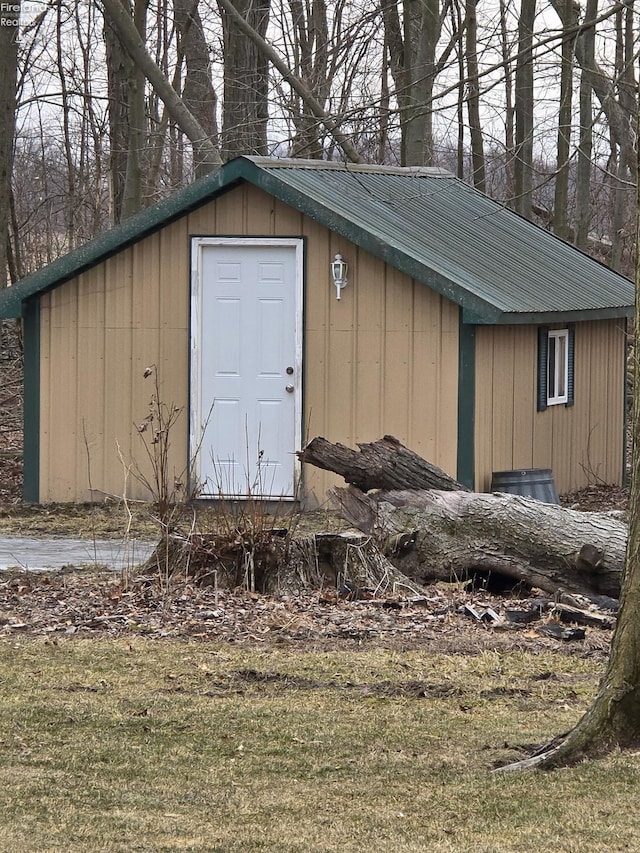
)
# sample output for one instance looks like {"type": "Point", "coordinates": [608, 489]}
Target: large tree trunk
{"type": "Point", "coordinates": [523, 160]}
{"type": "Point", "coordinates": [9, 34]}
{"type": "Point", "coordinates": [448, 535]}
{"type": "Point", "coordinates": [118, 17]}
{"type": "Point", "coordinates": [310, 25]}
{"type": "Point", "coordinates": [613, 720]}
{"type": "Point", "coordinates": [127, 117]}
{"type": "Point", "coordinates": [603, 85]}
{"type": "Point", "coordinates": [565, 114]}
{"type": "Point", "coordinates": [582, 210]}
{"type": "Point", "coordinates": [198, 92]}
{"type": "Point", "coordinates": [473, 99]}
{"type": "Point", "coordinates": [298, 86]}
{"type": "Point", "coordinates": [433, 528]}
{"type": "Point", "coordinates": [246, 77]}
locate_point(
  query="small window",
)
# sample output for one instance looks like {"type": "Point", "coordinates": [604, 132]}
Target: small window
{"type": "Point", "coordinates": [555, 367]}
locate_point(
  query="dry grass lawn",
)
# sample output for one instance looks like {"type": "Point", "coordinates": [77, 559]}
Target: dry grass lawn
{"type": "Point", "coordinates": [147, 745]}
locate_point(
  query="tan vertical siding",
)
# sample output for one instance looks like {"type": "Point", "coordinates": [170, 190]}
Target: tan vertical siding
{"type": "Point", "coordinates": [396, 352]}
{"type": "Point", "coordinates": [60, 367]}
{"type": "Point", "coordinates": [230, 211]}
{"type": "Point", "coordinates": [118, 375]}
{"type": "Point", "coordinates": [369, 362]}
{"type": "Point", "coordinates": [202, 221]}
{"type": "Point", "coordinates": [147, 311]}
{"type": "Point", "coordinates": [100, 332]}
{"type": "Point", "coordinates": [502, 379]}
{"type": "Point", "coordinates": [524, 395]}
{"type": "Point", "coordinates": [90, 472]}
{"type": "Point", "coordinates": [383, 359]}
{"type": "Point", "coordinates": [580, 443]}
{"type": "Point", "coordinates": [317, 389]}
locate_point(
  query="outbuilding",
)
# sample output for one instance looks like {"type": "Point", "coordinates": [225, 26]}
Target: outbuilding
{"type": "Point", "coordinates": [284, 299]}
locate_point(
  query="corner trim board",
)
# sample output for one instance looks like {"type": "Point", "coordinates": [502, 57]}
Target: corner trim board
{"type": "Point", "coordinates": [466, 403]}
{"type": "Point", "coordinates": [31, 413]}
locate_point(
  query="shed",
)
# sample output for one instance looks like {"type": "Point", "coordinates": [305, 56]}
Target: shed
{"type": "Point", "coordinates": [478, 339]}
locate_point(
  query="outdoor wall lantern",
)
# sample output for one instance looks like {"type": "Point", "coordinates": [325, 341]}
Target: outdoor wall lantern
{"type": "Point", "coordinates": [339, 270]}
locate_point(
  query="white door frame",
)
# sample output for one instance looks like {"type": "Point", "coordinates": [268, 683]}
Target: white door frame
{"type": "Point", "coordinates": [197, 415]}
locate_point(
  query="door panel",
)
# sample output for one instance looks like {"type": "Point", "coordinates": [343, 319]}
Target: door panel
{"type": "Point", "coordinates": [246, 365]}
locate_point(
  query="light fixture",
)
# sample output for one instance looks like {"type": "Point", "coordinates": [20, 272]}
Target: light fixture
{"type": "Point", "coordinates": [339, 270]}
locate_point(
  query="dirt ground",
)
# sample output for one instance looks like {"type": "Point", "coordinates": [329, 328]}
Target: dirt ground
{"type": "Point", "coordinates": [448, 617]}
{"type": "Point", "coordinates": [90, 603]}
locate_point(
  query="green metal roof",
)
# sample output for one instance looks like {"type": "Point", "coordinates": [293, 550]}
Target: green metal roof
{"type": "Point", "coordinates": [498, 266]}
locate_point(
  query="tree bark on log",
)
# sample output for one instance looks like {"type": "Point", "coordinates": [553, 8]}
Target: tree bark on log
{"type": "Point", "coordinates": [382, 464]}
{"type": "Point", "coordinates": [448, 535]}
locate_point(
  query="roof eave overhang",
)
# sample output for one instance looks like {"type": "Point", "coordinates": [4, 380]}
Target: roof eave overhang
{"type": "Point", "coordinates": [541, 318]}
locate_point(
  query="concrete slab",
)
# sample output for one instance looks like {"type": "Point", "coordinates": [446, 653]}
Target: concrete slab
{"type": "Point", "coordinates": [41, 554]}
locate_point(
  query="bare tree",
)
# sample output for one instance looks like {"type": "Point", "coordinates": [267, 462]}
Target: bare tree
{"type": "Point", "coordinates": [410, 82]}
{"type": "Point", "coordinates": [622, 169]}
{"type": "Point", "coordinates": [8, 73]}
{"type": "Point", "coordinates": [198, 92]}
{"type": "Point", "coordinates": [330, 123]}
{"type": "Point", "coordinates": [585, 144]}
{"type": "Point", "coordinates": [523, 157]}
{"type": "Point", "coordinates": [311, 61]}
{"type": "Point", "coordinates": [473, 98]}
{"type": "Point", "coordinates": [245, 108]}
{"type": "Point", "coordinates": [563, 148]}
{"type": "Point", "coordinates": [412, 41]}
{"type": "Point", "coordinates": [123, 24]}
{"type": "Point", "coordinates": [509, 112]}
{"type": "Point", "coordinates": [603, 83]}
{"type": "Point", "coordinates": [127, 120]}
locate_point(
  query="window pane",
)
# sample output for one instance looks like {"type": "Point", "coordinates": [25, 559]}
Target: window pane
{"type": "Point", "coordinates": [561, 361]}
{"type": "Point", "coordinates": [557, 366]}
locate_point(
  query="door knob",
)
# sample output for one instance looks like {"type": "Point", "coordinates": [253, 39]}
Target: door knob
{"type": "Point", "coordinates": [289, 388]}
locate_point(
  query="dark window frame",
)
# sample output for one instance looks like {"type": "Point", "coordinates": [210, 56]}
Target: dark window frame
{"type": "Point", "coordinates": [543, 367]}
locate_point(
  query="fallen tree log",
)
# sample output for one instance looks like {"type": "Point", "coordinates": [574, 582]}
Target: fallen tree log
{"type": "Point", "coordinates": [382, 464]}
{"type": "Point", "coordinates": [447, 535]}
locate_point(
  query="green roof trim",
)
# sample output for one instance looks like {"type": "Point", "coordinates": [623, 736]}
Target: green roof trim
{"type": "Point", "coordinates": [466, 404]}
{"type": "Point", "coordinates": [499, 267]}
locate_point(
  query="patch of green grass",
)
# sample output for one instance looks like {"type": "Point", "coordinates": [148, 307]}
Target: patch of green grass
{"type": "Point", "coordinates": [151, 746]}
{"type": "Point", "coordinates": [100, 520]}
{"type": "Point", "coordinates": [110, 519]}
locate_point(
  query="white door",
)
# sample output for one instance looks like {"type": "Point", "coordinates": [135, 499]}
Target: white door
{"type": "Point", "coordinates": [246, 366]}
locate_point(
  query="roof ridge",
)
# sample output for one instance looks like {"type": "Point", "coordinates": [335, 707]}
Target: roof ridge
{"type": "Point", "coordinates": [341, 165]}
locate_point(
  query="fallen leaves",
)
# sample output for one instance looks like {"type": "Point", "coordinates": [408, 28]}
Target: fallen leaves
{"type": "Point", "coordinates": [98, 604]}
